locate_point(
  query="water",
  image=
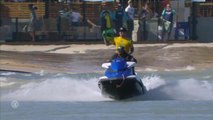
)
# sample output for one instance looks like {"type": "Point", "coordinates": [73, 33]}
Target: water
{"type": "Point", "coordinates": [178, 95]}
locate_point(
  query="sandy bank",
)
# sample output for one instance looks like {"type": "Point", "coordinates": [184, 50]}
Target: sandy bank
{"type": "Point", "coordinates": [72, 49]}
{"type": "Point", "coordinates": [72, 57]}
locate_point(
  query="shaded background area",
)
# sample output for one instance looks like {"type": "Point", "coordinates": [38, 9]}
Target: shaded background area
{"type": "Point", "coordinates": [14, 15]}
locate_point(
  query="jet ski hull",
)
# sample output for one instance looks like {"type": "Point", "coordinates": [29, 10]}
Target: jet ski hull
{"type": "Point", "coordinates": [119, 88]}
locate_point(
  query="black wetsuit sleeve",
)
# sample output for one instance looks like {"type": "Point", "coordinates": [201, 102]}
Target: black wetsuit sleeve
{"type": "Point", "coordinates": [131, 58]}
{"type": "Point", "coordinates": [113, 57]}
{"type": "Point", "coordinates": [131, 50]}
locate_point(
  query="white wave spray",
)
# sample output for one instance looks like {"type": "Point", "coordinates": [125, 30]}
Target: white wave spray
{"type": "Point", "coordinates": [73, 89]}
{"type": "Point", "coordinates": [184, 89]}
{"type": "Point", "coordinates": [57, 89]}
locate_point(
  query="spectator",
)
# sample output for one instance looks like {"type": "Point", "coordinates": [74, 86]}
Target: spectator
{"type": "Point", "coordinates": [106, 18]}
{"type": "Point", "coordinates": [130, 13]}
{"type": "Point", "coordinates": [167, 16]}
{"type": "Point", "coordinates": [120, 18]}
{"type": "Point", "coordinates": [145, 14]}
{"type": "Point", "coordinates": [33, 25]}
{"type": "Point", "coordinates": [107, 30]}
{"type": "Point", "coordinates": [75, 18]}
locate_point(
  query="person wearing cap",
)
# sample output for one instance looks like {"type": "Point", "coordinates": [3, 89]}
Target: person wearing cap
{"type": "Point", "coordinates": [122, 40]}
{"type": "Point", "coordinates": [121, 53]}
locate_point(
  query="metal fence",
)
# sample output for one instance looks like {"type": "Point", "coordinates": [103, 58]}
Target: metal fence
{"type": "Point", "coordinates": [56, 28]}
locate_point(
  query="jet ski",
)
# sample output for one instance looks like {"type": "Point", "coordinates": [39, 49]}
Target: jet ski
{"type": "Point", "coordinates": [120, 81]}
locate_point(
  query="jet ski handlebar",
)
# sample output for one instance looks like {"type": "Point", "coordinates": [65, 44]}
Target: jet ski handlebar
{"type": "Point", "coordinates": [129, 65]}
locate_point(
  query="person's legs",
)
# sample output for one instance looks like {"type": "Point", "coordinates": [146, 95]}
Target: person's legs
{"type": "Point", "coordinates": [146, 29]}
{"type": "Point", "coordinates": [164, 31]}
{"type": "Point", "coordinates": [170, 31]}
{"type": "Point", "coordinates": [129, 34]}
{"type": "Point", "coordinates": [32, 34]}
{"type": "Point", "coordinates": [163, 34]}
{"type": "Point", "coordinates": [106, 42]}
{"type": "Point", "coordinates": [140, 31]}
{"type": "Point", "coordinates": [130, 25]}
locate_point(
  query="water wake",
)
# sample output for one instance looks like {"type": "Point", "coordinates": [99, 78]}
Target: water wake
{"type": "Point", "coordinates": [60, 87]}
{"type": "Point", "coordinates": [184, 89]}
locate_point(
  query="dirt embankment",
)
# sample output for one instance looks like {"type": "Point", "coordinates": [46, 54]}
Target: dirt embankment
{"type": "Point", "coordinates": [88, 58]}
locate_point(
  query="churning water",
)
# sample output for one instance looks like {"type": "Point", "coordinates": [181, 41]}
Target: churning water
{"type": "Point", "coordinates": [180, 94]}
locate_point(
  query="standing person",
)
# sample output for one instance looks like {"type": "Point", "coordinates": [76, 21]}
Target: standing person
{"type": "Point", "coordinates": [33, 25]}
{"type": "Point", "coordinates": [106, 18]}
{"type": "Point", "coordinates": [75, 21]}
{"type": "Point", "coordinates": [106, 22]}
{"type": "Point", "coordinates": [123, 41]}
{"type": "Point", "coordinates": [130, 10]}
{"type": "Point", "coordinates": [145, 14]}
{"type": "Point", "coordinates": [75, 18]}
{"type": "Point", "coordinates": [167, 16]}
{"type": "Point", "coordinates": [120, 18]}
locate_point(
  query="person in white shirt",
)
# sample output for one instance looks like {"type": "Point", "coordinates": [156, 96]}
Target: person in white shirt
{"type": "Point", "coordinates": [130, 10]}
{"type": "Point", "coordinates": [75, 18]}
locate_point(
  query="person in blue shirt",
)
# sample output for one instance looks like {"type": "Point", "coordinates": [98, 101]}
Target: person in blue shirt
{"type": "Point", "coordinates": [168, 21]}
{"type": "Point", "coordinates": [120, 18]}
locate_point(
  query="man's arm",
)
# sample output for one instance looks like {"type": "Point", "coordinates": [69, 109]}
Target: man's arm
{"type": "Point", "coordinates": [131, 58]}
{"type": "Point", "coordinates": [162, 14]}
{"type": "Point", "coordinates": [113, 57]}
{"type": "Point", "coordinates": [131, 49]}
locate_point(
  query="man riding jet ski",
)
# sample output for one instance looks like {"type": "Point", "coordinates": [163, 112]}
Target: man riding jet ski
{"type": "Point", "coordinates": [121, 53]}
{"type": "Point", "coordinates": [120, 81]}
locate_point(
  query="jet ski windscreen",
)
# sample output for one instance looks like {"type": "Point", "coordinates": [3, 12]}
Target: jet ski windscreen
{"type": "Point", "coordinates": [118, 64]}
{"type": "Point", "coordinates": [118, 69]}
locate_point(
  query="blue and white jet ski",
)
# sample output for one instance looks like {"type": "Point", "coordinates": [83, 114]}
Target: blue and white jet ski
{"type": "Point", "coordinates": [120, 81]}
